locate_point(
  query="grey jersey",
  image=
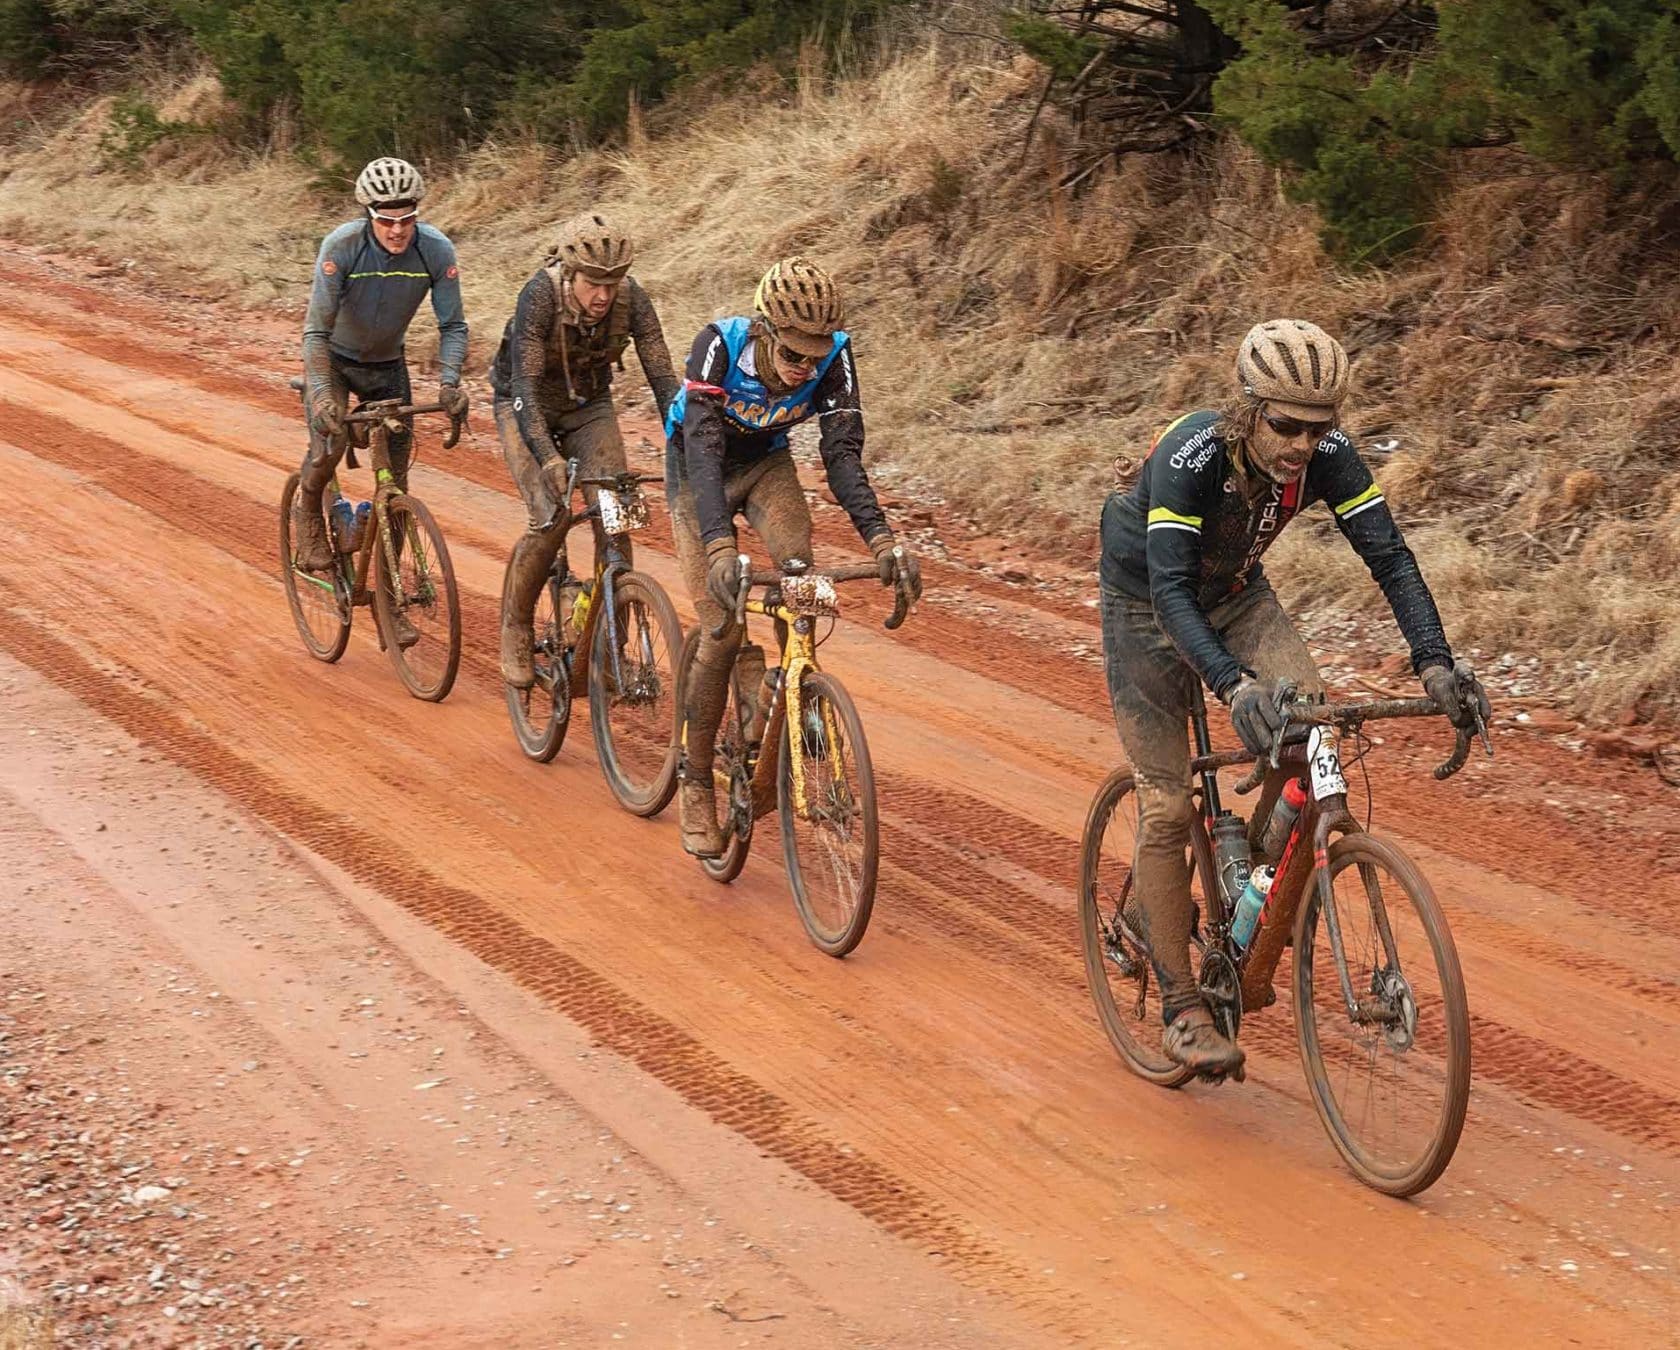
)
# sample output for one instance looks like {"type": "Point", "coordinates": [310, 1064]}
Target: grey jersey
{"type": "Point", "coordinates": [364, 298]}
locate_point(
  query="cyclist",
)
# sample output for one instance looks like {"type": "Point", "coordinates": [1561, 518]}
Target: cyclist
{"type": "Point", "coordinates": [747, 380]}
{"type": "Point", "coordinates": [370, 277]}
{"type": "Point", "coordinates": [1184, 598]}
{"type": "Point", "coordinates": [552, 378]}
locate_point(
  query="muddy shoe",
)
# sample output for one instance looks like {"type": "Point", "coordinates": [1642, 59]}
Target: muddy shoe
{"type": "Point", "coordinates": [1193, 1041]}
{"type": "Point", "coordinates": [309, 541]}
{"type": "Point", "coordinates": [405, 632]}
{"type": "Point", "coordinates": [517, 667]}
{"type": "Point", "coordinates": [701, 834]}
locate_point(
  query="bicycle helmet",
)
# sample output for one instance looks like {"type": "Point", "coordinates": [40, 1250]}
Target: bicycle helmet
{"type": "Point", "coordinates": [1295, 366]}
{"type": "Point", "coordinates": [594, 245]}
{"type": "Point", "coordinates": [389, 180]}
{"type": "Point", "coordinates": [801, 304]}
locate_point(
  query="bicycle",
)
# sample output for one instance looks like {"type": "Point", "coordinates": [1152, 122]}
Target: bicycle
{"type": "Point", "coordinates": [632, 656]}
{"type": "Point", "coordinates": [1404, 1024]}
{"type": "Point", "coordinates": [820, 779]}
{"type": "Point", "coordinates": [417, 613]}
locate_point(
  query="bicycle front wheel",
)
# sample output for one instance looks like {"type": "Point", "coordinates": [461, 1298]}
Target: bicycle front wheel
{"type": "Point", "coordinates": [1391, 1080]}
{"type": "Point", "coordinates": [1115, 937]}
{"type": "Point", "coordinates": [320, 604]}
{"type": "Point", "coordinates": [420, 615]}
{"type": "Point", "coordinates": [542, 714]}
{"type": "Point", "coordinates": [633, 706]}
{"type": "Point", "coordinates": [830, 832]}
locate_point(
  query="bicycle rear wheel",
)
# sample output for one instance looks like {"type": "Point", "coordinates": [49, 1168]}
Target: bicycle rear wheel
{"type": "Point", "coordinates": [1114, 933]}
{"type": "Point", "coordinates": [634, 715]}
{"type": "Point", "coordinates": [320, 604]}
{"type": "Point", "coordinates": [729, 751]}
{"type": "Point", "coordinates": [542, 714]}
{"type": "Point", "coordinates": [1392, 1084]}
{"type": "Point", "coordinates": [424, 598]}
{"type": "Point", "coordinates": [832, 843]}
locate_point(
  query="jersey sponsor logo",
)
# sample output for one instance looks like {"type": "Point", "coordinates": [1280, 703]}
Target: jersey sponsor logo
{"type": "Point", "coordinates": [1195, 453]}
{"type": "Point", "coordinates": [752, 413]}
{"type": "Point", "coordinates": [329, 267]}
{"type": "Point", "coordinates": [711, 353]}
{"type": "Point", "coordinates": [1278, 510]}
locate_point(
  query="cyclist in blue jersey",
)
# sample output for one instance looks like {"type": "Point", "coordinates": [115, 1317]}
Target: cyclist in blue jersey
{"type": "Point", "coordinates": [370, 277]}
{"type": "Point", "coordinates": [1184, 599]}
{"type": "Point", "coordinates": [747, 380]}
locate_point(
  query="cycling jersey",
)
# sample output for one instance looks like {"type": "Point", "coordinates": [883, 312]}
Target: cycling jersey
{"type": "Point", "coordinates": [724, 418]}
{"type": "Point", "coordinates": [1191, 531]}
{"type": "Point", "coordinates": [363, 299]}
{"type": "Point", "coordinates": [550, 363]}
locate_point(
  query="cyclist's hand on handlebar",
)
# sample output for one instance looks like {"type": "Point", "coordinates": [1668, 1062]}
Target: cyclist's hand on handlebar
{"type": "Point", "coordinates": [556, 476]}
{"type": "Point", "coordinates": [897, 564]}
{"type": "Point", "coordinates": [1256, 715]}
{"type": "Point", "coordinates": [1458, 693]}
{"type": "Point", "coordinates": [454, 400]}
{"type": "Point", "coordinates": [723, 574]}
{"type": "Point", "coordinates": [326, 415]}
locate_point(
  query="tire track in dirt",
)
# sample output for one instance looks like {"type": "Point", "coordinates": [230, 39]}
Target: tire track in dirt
{"type": "Point", "coordinates": [610, 1013]}
{"type": "Point", "coordinates": [1510, 1057]}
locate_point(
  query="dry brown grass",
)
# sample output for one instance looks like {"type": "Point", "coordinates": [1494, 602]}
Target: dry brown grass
{"type": "Point", "coordinates": [1014, 341]}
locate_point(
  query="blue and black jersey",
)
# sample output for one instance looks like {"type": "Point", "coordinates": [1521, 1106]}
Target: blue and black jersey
{"type": "Point", "coordinates": [1192, 530]}
{"type": "Point", "coordinates": [724, 418]}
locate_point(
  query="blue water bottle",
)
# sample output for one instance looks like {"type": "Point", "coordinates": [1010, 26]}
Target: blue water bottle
{"type": "Point", "coordinates": [343, 525]}
{"type": "Point", "coordinates": [363, 510]}
{"type": "Point", "coordinates": [1249, 904]}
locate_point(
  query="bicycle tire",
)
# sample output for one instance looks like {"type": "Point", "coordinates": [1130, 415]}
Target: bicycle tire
{"type": "Point", "coordinates": [428, 667]}
{"type": "Point", "coordinates": [1125, 1033]}
{"type": "Point", "coordinates": [638, 754]}
{"type": "Point", "coordinates": [540, 738]}
{"type": "Point", "coordinates": [806, 875]}
{"type": "Point", "coordinates": [724, 868]}
{"type": "Point", "coordinates": [1451, 1037]}
{"type": "Point", "coordinates": [328, 645]}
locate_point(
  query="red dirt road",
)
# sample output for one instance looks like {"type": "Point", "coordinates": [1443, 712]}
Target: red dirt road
{"type": "Point", "coordinates": [472, 990]}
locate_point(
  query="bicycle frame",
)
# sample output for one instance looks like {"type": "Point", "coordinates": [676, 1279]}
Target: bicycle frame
{"type": "Point", "coordinates": [610, 564]}
{"type": "Point", "coordinates": [1324, 816]}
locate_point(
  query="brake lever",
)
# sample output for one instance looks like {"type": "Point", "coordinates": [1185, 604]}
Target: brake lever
{"type": "Point", "coordinates": [901, 600]}
{"type": "Point", "coordinates": [739, 617]}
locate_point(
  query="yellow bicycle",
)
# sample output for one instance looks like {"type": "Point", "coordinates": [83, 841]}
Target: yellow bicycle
{"type": "Point", "coordinates": [791, 737]}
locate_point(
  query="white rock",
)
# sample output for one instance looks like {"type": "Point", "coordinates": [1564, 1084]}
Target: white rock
{"type": "Point", "coordinates": [147, 1195]}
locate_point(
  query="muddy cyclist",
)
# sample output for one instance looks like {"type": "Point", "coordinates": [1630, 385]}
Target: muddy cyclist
{"type": "Point", "coordinates": [552, 378]}
{"type": "Point", "coordinates": [1184, 598]}
{"type": "Point", "coordinates": [748, 379]}
{"type": "Point", "coordinates": [370, 277]}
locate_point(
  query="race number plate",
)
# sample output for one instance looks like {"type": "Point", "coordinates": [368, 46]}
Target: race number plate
{"type": "Point", "coordinates": [622, 512]}
{"type": "Point", "coordinates": [810, 595]}
{"type": "Point", "coordinates": [1326, 765]}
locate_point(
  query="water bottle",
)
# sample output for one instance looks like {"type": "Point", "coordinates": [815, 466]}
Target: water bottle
{"type": "Point", "coordinates": [363, 511]}
{"type": "Point", "coordinates": [1249, 904]}
{"type": "Point", "coordinates": [343, 525]}
{"type": "Point", "coordinates": [1230, 854]}
{"type": "Point", "coordinates": [1284, 814]}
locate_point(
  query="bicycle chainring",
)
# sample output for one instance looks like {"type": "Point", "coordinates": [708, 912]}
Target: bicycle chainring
{"type": "Point", "coordinates": [1221, 986]}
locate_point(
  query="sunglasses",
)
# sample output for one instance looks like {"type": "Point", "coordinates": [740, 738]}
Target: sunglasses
{"type": "Point", "coordinates": [1291, 427]}
{"type": "Point", "coordinates": [383, 219]}
{"type": "Point", "coordinates": [802, 360]}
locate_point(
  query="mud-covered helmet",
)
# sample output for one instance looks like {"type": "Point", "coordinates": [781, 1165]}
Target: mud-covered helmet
{"type": "Point", "coordinates": [594, 245]}
{"type": "Point", "coordinates": [389, 180]}
{"type": "Point", "coordinates": [801, 304]}
{"type": "Point", "coordinates": [1295, 366]}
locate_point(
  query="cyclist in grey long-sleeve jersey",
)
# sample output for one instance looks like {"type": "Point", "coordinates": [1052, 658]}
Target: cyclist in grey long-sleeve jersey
{"type": "Point", "coordinates": [370, 278]}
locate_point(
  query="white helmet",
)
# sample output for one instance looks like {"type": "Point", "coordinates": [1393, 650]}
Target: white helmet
{"type": "Point", "coordinates": [389, 180]}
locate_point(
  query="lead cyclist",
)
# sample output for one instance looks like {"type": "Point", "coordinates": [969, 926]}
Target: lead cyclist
{"type": "Point", "coordinates": [1184, 598]}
